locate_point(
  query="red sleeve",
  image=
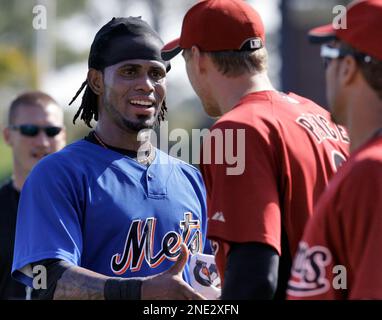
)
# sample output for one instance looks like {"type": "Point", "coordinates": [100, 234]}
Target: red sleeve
{"type": "Point", "coordinates": [361, 222]}
{"type": "Point", "coordinates": [344, 233]}
{"type": "Point", "coordinates": [311, 274]}
{"type": "Point", "coordinates": [244, 206]}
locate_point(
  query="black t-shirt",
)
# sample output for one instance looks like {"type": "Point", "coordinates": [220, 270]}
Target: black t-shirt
{"type": "Point", "coordinates": [9, 199]}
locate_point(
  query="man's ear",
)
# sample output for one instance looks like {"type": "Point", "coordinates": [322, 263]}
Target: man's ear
{"type": "Point", "coordinates": [348, 70]}
{"type": "Point", "coordinates": [95, 81]}
{"type": "Point", "coordinates": [64, 135]}
{"type": "Point", "coordinates": [7, 136]}
{"type": "Point", "coordinates": [198, 59]}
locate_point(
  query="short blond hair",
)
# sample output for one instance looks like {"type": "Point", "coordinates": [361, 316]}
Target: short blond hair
{"type": "Point", "coordinates": [29, 99]}
{"type": "Point", "coordinates": [236, 63]}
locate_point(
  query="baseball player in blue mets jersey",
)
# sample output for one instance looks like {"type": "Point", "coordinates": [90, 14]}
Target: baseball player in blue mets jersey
{"type": "Point", "coordinates": [106, 220]}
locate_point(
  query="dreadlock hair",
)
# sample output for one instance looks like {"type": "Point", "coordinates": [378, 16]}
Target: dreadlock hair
{"type": "Point", "coordinates": [88, 109]}
{"type": "Point", "coordinates": [162, 112]}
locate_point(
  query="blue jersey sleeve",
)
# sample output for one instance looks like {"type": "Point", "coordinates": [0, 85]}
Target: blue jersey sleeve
{"type": "Point", "coordinates": [200, 190]}
{"type": "Point", "coordinates": [49, 217]}
{"type": "Point", "coordinates": [203, 201]}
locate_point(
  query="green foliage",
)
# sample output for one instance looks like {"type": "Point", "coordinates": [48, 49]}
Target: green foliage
{"type": "Point", "coordinates": [66, 8]}
{"type": "Point", "coordinates": [16, 68]}
{"type": "Point", "coordinates": [16, 23]}
{"type": "Point", "coordinates": [65, 56]}
{"type": "Point", "coordinates": [5, 160]}
{"type": "Point", "coordinates": [18, 40]}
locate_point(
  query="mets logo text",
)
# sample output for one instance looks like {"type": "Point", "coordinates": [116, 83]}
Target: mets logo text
{"type": "Point", "coordinates": [139, 245]}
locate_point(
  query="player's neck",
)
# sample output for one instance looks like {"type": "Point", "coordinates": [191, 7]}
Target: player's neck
{"type": "Point", "coordinates": [359, 136]}
{"type": "Point", "coordinates": [232, 90]}
{"type": "Point", "coordinates": [118, 138]}
{"type": "Point", "coordinates": [364, 119]}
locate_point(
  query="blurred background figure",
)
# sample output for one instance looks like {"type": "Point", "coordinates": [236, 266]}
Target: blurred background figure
{"type": "Point", "coordinates": [35, 129]}
{"type": "Point", "coordinates": [345, 230]}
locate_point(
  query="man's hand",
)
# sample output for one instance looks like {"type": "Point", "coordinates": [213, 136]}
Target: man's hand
{"type": "Point", "coordinates": [82, 284]}
{"type": "Point", "coordinates": [169, 285]}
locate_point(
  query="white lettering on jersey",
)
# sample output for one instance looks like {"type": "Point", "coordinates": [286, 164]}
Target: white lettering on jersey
{"type": "Point", "coordinates": [321, 128]}
{"type": "Point", "coordinates": [139, 244]}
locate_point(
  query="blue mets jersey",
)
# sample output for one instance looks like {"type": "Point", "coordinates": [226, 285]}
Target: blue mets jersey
{"type": "Point", "coordinates": [103, 211]}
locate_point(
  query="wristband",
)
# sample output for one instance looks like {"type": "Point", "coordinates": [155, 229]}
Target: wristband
{"type": "Point", "coordinates": [123, 289]}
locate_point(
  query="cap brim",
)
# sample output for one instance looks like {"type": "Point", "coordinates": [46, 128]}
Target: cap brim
{"type": "Point", "coordinates": [322, 34]}
{"type": "Point", "coordinates": [171, 49]}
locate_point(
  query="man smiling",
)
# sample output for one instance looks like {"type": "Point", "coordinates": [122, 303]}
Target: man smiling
{"type": "Point", "coordinates": [35, 129]}
{"type": "Point", "coordinates": [106, 209]}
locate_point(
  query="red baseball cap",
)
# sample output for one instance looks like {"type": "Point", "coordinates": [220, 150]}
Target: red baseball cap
{"type": "Point", "coordinates": [363, 31]}
{"type": "Point", "coordinates": [218, 25]}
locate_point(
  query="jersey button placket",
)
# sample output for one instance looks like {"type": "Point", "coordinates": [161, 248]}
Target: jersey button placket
{"type": "Point", "coordinates": [155, 187]}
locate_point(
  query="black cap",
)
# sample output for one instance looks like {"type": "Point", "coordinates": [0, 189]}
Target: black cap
{"type": "Point", "coordinates": [125, 39]}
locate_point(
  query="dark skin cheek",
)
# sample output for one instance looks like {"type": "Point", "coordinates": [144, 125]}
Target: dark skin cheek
{"type": "Point", "coordinates": [121, 88]}
{"type": "Point", "coordinates": [160, 92]}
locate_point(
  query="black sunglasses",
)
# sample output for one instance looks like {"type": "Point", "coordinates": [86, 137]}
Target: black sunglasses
{"type": "Point", "coordinates": [329, 53]}
{"type": "Point", "coordinates": [32, 130]}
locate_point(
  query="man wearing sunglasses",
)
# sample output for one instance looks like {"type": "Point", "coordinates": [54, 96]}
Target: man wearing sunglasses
{"type": "Point", "coordinates": [338, 256]}
{"type": "Point", "coordinates": [35, 129]}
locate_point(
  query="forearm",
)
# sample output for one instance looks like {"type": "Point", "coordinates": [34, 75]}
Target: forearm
{"type": "Point", "coordinates": [77, 283]}
{"type": "Point", "coordinates": [69, 282]}
{"type": "Point", "coordinates": [251, 272]}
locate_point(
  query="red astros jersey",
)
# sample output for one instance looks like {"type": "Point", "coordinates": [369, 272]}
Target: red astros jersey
{"type": "Point", "coordinates": [265, 164]}
{"type": "Point", "coordinates": [338, 257]}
